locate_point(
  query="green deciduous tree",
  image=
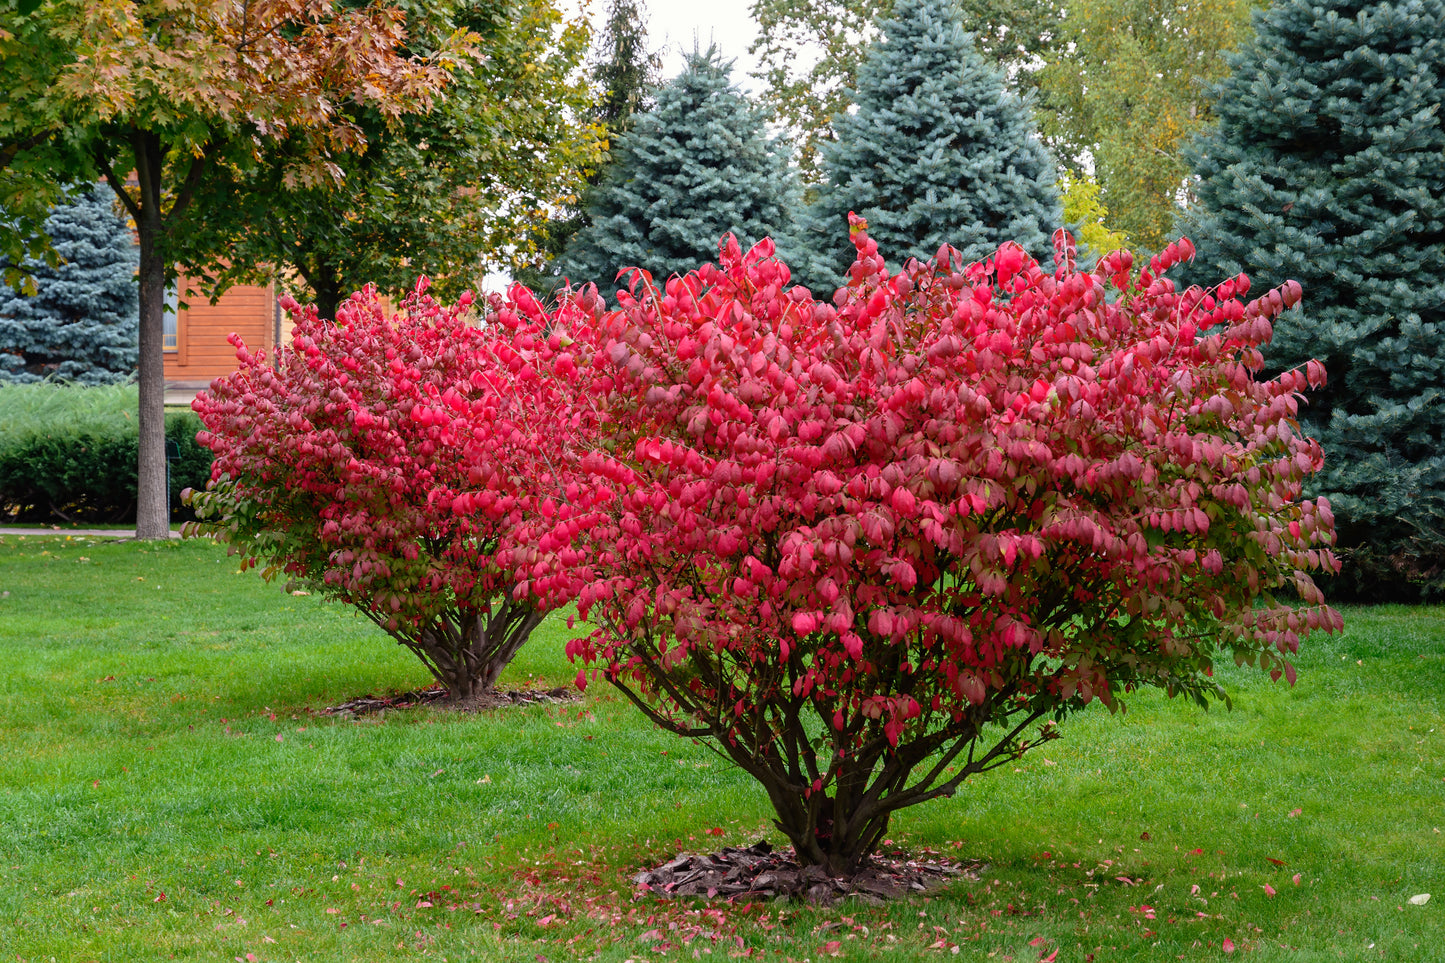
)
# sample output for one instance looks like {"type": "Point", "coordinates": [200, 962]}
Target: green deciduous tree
{"type": "Point", "coordinates": [80, 324]}
{"type": "Point", "coordinates": [1131, 92]}
{"type": "Point", "coordinates": [1326, 166]}
{"type": "Point", "coordinates": [810, 51]}
{"type": "Point", "coordinates": [695, 167]}
{"type": "Point", "coordinates": [454, 193]}
{"type": "Point", "coordinates": [1086, 214]}
{"type": "Point", "coordinates": [167, 89]}
{"type": "Point", "coordinates": [938, 152]}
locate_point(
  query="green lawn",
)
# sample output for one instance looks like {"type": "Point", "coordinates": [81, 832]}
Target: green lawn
{"type": "Point", "coordinates": [168, 790]}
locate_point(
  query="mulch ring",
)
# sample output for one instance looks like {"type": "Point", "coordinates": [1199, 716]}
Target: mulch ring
{"type": "Point", "coordinates": [436, 697]}
{"type": "Point", "coordinates": [759, 871]}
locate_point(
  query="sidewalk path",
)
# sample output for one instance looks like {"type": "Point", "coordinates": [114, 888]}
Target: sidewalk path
{"type": "Point", "coordinates": [86, 532]}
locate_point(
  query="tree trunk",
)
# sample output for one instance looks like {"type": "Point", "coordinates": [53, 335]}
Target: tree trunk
{"type": "Point", "coordinates": [326, 295]}
{"type": "Point", "coordinates": [152, 513]}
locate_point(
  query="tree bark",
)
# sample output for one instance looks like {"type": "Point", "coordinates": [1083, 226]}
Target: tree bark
{"type": "Point", "coordinates": [152, 513]}
{"type": "Point", "coordinates": [326, 294]}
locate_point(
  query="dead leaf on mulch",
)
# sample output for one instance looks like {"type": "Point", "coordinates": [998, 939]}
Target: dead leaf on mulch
{"type": "Point", "coordinates": [759, 871]}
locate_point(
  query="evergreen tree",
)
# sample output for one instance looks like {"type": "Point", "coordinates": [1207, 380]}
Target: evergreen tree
{"type": "Point", "coordinates": [937, 152]}
{"type": "Point", "coordinates": [695, 167]}
{"type": "Point", "coordinates": [81, 324]}
{"type": "Point", "coordinates": [1328, 167]}
{"type": "Point", "coordinates": [625, 72]}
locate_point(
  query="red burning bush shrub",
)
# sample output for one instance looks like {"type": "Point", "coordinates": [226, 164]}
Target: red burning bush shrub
{"type": "Point", "coordinates": [873, 548]}
{"type": "Point", "coordinates": [391, 461]}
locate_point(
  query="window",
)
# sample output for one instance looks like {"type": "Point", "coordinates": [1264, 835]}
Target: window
{"type": "Point", "coordinates": [169, 334]}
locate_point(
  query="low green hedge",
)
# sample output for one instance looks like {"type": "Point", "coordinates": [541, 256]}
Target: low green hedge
{"type": "Point", "coordinates": [68, 453]}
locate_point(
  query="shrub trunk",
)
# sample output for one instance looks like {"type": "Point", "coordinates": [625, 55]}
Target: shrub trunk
{"type": "Point", "coordinates": [466, 649]}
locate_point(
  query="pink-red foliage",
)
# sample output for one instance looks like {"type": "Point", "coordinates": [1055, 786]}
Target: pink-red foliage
{"type": "Point", "coordinates": [889, 534]}
{"type": "Point", "coordinates": [391, 461]}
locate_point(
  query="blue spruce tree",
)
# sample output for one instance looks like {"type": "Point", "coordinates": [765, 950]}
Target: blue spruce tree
{"type": "Point", "coordinates": [1328, 167]}
{"type": "Point", "coordinates": [81, 324]}
{"type": "Point", "coordinates": [696, 166]}
{"type": "Point", "coordinates": [938, 151]}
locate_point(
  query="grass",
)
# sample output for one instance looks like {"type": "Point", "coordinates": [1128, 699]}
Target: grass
{"type": "Point", "coordinates": [168, 790]}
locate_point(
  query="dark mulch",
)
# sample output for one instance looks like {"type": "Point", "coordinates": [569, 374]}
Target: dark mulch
{"type": "Point", "coordinates": [436, 697]}
{"type": "Point", "coordinates": [759, 871]}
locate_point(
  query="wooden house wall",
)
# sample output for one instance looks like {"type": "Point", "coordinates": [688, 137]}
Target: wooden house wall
{"type": "Point", "coordinates": [202, 351]}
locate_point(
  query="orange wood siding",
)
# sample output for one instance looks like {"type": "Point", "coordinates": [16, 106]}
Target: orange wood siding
{"type": "Point", "coordinates": [202, 328]}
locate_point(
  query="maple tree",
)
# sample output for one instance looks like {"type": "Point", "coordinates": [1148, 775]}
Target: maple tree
{"type": "Point", "coordinates": [393, 461]}
{"type": "Point", "coordinates": [453, 193]}
{"type": "Point", "coordinates": [165, 90]}
{"type": "Point", "coordinates": [867, 550]}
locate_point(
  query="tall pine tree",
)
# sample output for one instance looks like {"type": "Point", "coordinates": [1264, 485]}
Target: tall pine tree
{"type": "Point", "coordinates": [695, 167]}
{"type": "Point", "coordinates": [82, 322]}
{"type": "Point", "coordinates": [937, 152]}
{"type": "Point", "coordinates": [624, 74]}
{"type": "Point", "coordinates": [625, 70]}
{"type": "Point", "coordinates": [1328, 167]}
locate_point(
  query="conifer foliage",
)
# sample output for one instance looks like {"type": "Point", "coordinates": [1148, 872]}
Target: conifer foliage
{"type": "Point", "coordinates": [1326, 167]}
{"type": "Point", "coordinates": [695, 167]}
{"type": "Point", "coordinates": [82, 322]}
{"type": "Point", "coordinates": [937, 152]}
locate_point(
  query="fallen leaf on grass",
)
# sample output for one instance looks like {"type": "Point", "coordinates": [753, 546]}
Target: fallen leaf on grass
{"type": "Point", "coordinates": [1228, 945]}
{"type": "Point", "coordinates": [1296, 879]}
{"type": "Point", "coordinates": [1295, 812]}
{"type": "Point", "coordinates": [1271, 859]}
{"type": "Point", "coordinates": [1420, 900]}
{"type": "Point", "coordinates": [1268, 890]}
